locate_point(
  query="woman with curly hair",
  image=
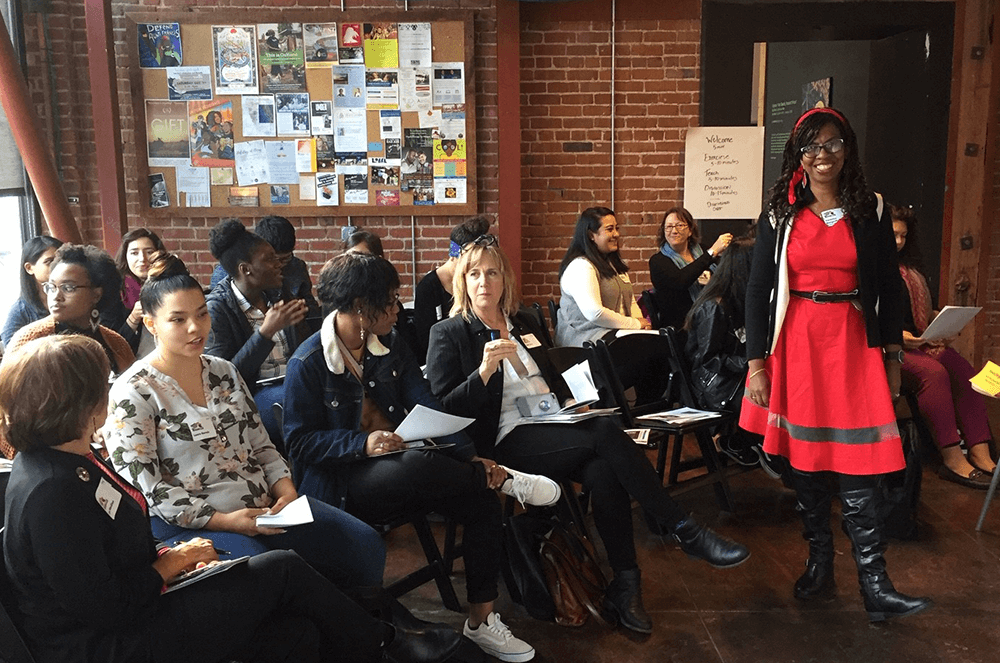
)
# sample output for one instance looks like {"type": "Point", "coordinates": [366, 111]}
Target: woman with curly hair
{"type": "Point", "coordinates": [938, 374]}
{"type": "Point", "coordinates": [824, 337]}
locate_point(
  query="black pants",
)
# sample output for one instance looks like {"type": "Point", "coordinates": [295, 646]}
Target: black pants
{"type": "Point", "coordinates": [599, 455]}
{"type": "Point", "coordinates": [273, 608]}
{"type": "Point", "coordinates": [382, 488]}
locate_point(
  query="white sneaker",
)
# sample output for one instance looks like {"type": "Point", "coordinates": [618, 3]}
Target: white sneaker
{"type": "Point", "coordinates": [494, 638]}
{"type": "Point", "coordinates": [532, 489]}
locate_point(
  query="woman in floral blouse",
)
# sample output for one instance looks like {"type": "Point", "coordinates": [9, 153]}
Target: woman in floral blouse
{"type": "Point", "coordinates": [184, 429]}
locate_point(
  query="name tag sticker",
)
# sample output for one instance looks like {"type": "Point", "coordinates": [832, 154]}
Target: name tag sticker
{"type": "Point", "coordinates": [202, 430]}
{"type": "Point", "coordinates": [108, 497]}
{"type": "Point", "coordinates": [530, 341]}
{"type": "Point", "coordinates": [831, 216]}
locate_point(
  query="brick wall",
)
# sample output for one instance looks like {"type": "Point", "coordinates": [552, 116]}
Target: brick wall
{"type": "Point", "coordinates": [60, 53]}
{"type": "Point", "coordinates": [566, 71]}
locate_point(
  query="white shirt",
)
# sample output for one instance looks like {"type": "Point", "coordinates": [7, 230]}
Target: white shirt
{"type": "Point", "coordinates": [514, 387]}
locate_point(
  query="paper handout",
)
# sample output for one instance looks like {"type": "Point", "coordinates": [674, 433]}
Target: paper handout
{"type": "Point", "coordinates": [987, 381]}
{"type": "Point", "coordinates": [949, 322]}
{"type": "Point", "coordinates": [423, 422]}
{"type": "Point", "coordinates": [296, 512]}
{"type": "Point", "coordinates": [580, 381]}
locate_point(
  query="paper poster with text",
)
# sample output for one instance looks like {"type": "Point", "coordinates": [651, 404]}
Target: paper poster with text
{"type": "Point", "coordinates": [348, 86]}
{"type": "Point", "coordinates": [321, 44]}
{"type": "Point", "coordinates": [159, 45]}
{"type": "Point", "coordinates": [723, 172]}
{"type": "Point", "coordinates": [210, 132]}
{"type": "Point", "coordinates": [167, 133]}
{"type": "Point", "coordinates": [449, 83]}
{"type": "Point", "coordinates": [381, 46]}
{"type": "Point", "coordinates": [382, 89]}
{"type": "Point", "coordinates": [235, 51]}
{"type": "Point", "coordinates": [414, 44]}
{"type": "Point", "coordinates": [280, 47]}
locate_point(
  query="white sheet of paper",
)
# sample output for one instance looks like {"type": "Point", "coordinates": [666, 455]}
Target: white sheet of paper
{"type": "Point", "coordinates": [580, 381]}
{"type": "Point", "coordinates": [626, 332]}
{"type": "Point", "coordinates": [949, 322]}
{"type": "Point", "coordinates": [296, 512]}
{"type": "Point", "coordinates": [281, 166]}
{"type": "Point", "coordinates": [424, 422]}
{"type": "Point", "coordinates": [192, 180]}
{"type": "Point", "coordinates": [350, 130]}
{"type": "Point", "coordinates": [199, 199]}
{"type": "Point", "coordinates": [251, 163]}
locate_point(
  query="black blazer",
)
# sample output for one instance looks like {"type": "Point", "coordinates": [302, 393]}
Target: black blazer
{"type": "Point", "coordinates": [454, 354]}
{"type": "Point", "coordinates": [84, 582]}
{"type": "Point", "coordinates": [671, 284]}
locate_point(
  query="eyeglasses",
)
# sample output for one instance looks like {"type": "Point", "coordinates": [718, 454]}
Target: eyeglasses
{"type": "Point", "coordinates": [482, 241]}
{"type": "Point", "coordinates": [675, 226]}
{"type": "Point", "coordinates": [831, 146]}
{"type": "Point", "coordinates": [67, 288]}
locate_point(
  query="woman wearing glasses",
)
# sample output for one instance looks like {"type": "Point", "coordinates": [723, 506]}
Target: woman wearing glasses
{"type": "Point", "coordinates": [682, 266]}
{"type": "Point", "coordinates": [824, 335]}
{"type": "Point", "coordinates": [596, 297]}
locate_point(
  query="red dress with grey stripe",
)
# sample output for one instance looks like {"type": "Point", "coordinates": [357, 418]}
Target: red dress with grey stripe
{"type": "Point", "coordinates": [830, 407]}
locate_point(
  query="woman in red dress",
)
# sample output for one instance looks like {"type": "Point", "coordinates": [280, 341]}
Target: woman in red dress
{"type": "Point", "coordinates": [824, 337]}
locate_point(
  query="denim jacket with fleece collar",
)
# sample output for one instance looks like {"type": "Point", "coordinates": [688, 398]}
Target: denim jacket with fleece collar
{"type": "Point", "coordinates": [322, 409]}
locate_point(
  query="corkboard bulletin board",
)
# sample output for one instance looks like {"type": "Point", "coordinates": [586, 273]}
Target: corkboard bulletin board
{"type": "Point", "coordinates": [451, 40]}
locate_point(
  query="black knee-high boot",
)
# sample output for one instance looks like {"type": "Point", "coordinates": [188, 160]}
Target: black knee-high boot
{"type": "Point", "coordinates": [813, 499]}
{"type": "Point", "coordinates": [863, 527]}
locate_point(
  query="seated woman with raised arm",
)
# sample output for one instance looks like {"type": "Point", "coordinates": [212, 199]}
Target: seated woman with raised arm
{"type": "Point", "coordinates": [596, 297]}
{"type": "Point", "coordinates": [475, 377]}
{"type": "Point", "coordinates": [37, 255]}
{"type": "Point", "coordinates": [251, 327]}
{"type": "Point", "coordinates": [348, 388]}
{"type": "Point", "coordinates": [89, 578]}
{"type": "Point", "coordinates": [185, 431]}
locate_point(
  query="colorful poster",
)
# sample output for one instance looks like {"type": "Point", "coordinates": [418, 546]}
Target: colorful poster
{"type": "Point", "coordinates": [321, 44]}
{"type": "Point", "coordinates": [280, 194]}
{"type": "Point", "coordinates": [422, 188]}
{"type": "Point", "coordinates": [235, 52]}
{"type": "Point", "coordinates": [415, 89]}
{"type": "Point", "coordinates": [325, 152]}
{"type": "Point", "coordinates": [449, 83]}
{"type": "Point", "coordinates": [159, 45]}
{"type": "Point", "coordinates": [244, 196]}
{"type": "Point", "coordinates": [211, 133]}
{"type": "Point", "coordinates": [381, 89]}
{"type": "Point", "coordinates": [305, 155]}
{"type": "Point", "coordinates": [381, 46]}
{"type": "Point", "coordinates": [414, 44]}
{"type": "Point", "coordinates": [449, 157]}
{"type": "Point", "coordinates": [383, 175]}
{"type": "Point", "coordinates": [292, 112]}
{"type": "Point", "coordinates": [326, 190]}
{"type": "Point", "coordinates": [418, 159]}
{"type": "Point", "coordinates": [222, 176]}
{"type": "Point", "coordinates": [258, 116]}
{"type": "Point", "coordinates": [350, 34]}
{"type": "Point", "coordinates": [321, 117]}
{"type": "Point", "coordinates": [187, 83]}
{"type": "Point", "coordinates": [159, 197]}
{"type": "Point", "coordinates": [387, 197]}
{"type": "Point", "coordinates": [167, 133]}
{"type": "Point", "coordinates": [282, 60]}
{"type": "Point", "coordinates": [348, 86]}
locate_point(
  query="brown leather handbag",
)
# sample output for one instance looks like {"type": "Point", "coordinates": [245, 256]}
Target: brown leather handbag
{"type": "Point", "coordinates": [575, 580]}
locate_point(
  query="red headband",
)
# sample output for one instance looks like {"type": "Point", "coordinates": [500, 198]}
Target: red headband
{"type": "Point", "coordinates": [799, 174]}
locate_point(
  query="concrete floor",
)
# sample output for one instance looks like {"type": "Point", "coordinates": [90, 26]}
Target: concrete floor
{"type": "Point", "coordinates": [748, 614]}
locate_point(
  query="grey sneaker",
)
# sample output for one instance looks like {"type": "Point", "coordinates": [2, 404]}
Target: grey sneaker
{"type": "Point", "coordinates": [494, 638]}
{"type": "Point", "coordinates": [532, 489]}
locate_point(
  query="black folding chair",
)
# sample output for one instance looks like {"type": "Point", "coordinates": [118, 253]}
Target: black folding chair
{"type": "Point", "coordinates": [538, 313]}
{"type": "Point", "coordinates": [648, 302]}
{"type": "Point", "coordinates": [651, 365]}
{"type": "Point", "coordinates": [12, 646]}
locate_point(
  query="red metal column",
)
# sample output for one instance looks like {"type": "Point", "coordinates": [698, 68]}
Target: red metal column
{"type": "Point", "coordinates": [107, 124]}
{"type": "Point", "coordinates": [509, 136]}
{"type": "Point", "coordinates": [31, 143]}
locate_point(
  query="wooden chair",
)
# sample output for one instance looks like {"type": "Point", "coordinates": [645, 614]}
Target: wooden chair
{"type": "Point", "coordinates": [438, 567]}
{"type": "Point", "coordinates": [626, 364]}
{"type": "Point", "coordinates": [12, 646]}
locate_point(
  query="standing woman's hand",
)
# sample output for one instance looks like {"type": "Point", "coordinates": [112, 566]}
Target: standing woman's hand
{"type": "Point", "coordinates": [758, 383]}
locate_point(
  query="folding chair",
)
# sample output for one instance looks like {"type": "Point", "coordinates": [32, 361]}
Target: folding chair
{"type": "Point", "coordinates": [989, 498]}
{"type": "Point", "coordinates": [438, 567]}
{"type": "Point", "coordinates": [536, 311]}
{"type": "Point", "coordinates": [554, 314]}
{"type": "Point", "coordinates": [12, 646]}
{"type": "Point", "coordinates": [648, 302]}
{"type": "Point", "coordinates": [626, 362]}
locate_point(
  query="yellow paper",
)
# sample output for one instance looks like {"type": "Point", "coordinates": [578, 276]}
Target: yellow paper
{"type": "Point", "coordinates": [987, 381]}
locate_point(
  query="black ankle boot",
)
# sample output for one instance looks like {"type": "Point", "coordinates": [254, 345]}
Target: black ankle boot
{"type": "Point", "coordinates": [383, 606]}
{"type": "Point", "coordinates": [702, 543]}
{"type": "Point", "coordinates": [431, 647]}
{"type": "Point", "coordinates": [624, 599]}
{"type": "Point", "coordinates": [861, 523]}
{"type": "Point", "coordinates": [813, 499]}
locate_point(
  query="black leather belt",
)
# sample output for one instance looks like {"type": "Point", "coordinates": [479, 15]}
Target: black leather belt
{"type": "Point", "coordinates": [821, 297]}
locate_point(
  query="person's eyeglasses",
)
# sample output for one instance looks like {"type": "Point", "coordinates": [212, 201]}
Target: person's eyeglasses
{"type": "Point", "coordinates": [67, 288]}
{"type": "Point", "coordinates": [831, 146]}
{"type": "Point", "coordinates": [483, 241]}
{"type": "Point", "coordinates": [675, 227]}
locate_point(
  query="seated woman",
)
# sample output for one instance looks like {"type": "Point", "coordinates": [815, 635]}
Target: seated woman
{"type": "Point", "coordinates": [363, 241]}
{"type": "Point", "coordinates": [716, 347]}
{"type": "Point", "coordinates": [250, 327]}
{"type": "Point", "coordinates": [474, 377]}
{"type": "Point", "coordinates": [954, 411]}
{"type": "Point", "coordinates": [347, 389]}
{"type": "Point", "coordinates": [37, 255]}
{"type": "Point", "coordinates": [596, 297]}
{"type": "Point", "coordinates": [137, 248]}
{"type": "Point", "coordinates": [432, 299]}
{"type": "Point", "coordinates": [184, 430]}
{"type": "Point", "coordinates": [676, 271]}
{"type": "Point", "coordinates": [89, 578]}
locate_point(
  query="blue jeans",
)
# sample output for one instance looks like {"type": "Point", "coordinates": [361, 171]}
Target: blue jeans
{"type": "Point", "coordinates": [265, 398]}
{"type": "Point", "coordinates": [345, 550]}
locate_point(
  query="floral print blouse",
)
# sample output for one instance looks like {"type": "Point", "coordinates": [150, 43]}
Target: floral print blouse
{"type": "Point", "coordinates": [191, 461]}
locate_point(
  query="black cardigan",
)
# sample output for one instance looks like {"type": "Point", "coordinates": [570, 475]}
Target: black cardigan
{"type": "Point", "coordinates": [671, 286]}
{"type": "Point", "coordinates": [879, 283]}
{"type": "Point", "coordinates": [454, 354]}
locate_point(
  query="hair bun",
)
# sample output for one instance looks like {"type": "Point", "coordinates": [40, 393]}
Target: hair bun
{"type": "Point", "coordinates": [225, 235]}
{"type": "Point", "coordinates": [164, 265]}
